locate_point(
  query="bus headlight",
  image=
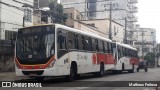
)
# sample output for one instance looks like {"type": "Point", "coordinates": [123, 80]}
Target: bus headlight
{"type": "Point", "coordinates": [51, 64]}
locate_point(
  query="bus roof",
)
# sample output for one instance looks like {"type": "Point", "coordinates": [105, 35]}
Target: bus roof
{"type": "Point", "coordinates": [82, 32]}
{"type": "Point", "coordinates": [126, 45]}
{"type": "Point", "coordinates": [73, 30]}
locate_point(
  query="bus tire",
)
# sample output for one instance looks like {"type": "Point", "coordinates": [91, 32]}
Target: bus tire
{"type": "Point", "coordinates": [132, 70]}
{"type": "Point", "coordinates": [102, 71]}
{"type": "Point", "coordinates": [123, 67]}
{"type": "Point", "coordinates": [146, 69]}
{"type": "Point", "coordinates": [73, 72]}
{"type": "Point", "coordinates": [137, 69]}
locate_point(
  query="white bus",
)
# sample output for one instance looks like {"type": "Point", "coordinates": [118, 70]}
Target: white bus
{"type": "Point", "coordinates": [58, 50]}
{"type": "Point", "coordinates": [126, 58]}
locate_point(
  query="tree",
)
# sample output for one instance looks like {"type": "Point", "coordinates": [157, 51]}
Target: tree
{"type": "Point", "coordinates": [150, 57]}
{"type": "Point", "coordinates": [57, 14]}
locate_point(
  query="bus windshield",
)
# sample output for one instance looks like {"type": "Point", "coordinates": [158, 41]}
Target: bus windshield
{"type": "Point", "coordinates": [35, 45]}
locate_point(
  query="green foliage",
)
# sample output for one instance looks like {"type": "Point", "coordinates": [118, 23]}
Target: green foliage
{"type": "Point", "coordinates": [57, 13]}
{"type": "Point", "coordinates": [150, 57]}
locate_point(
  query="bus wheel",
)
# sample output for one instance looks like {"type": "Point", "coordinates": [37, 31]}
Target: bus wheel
{"type": "Point", "coordinates": [123, 67]}
{"type": "Point", "coordinates": [132, 70]}
{"type": "Point", "coordinates": [137, 69]}
{"type": "Point", "coordinates": [73, 73]}
{"type": "Point", "coordinates": [146, 69]}
{"type": "Point", "coordinates": [101, 72]}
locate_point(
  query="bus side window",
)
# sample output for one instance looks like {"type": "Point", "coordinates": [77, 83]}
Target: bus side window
{"type": "Point", "coordinates": [109, 47]}
{"type": "Point", "coordinates": [71, 41]}
{"type": "Point", "coordinates": [95, 45]}
{"type": "Point", "coordinates": [100, 44]}
{"type": "Point", "coordinates": [88, 43]}
{"type": "Point", "coordinates": [105, 47]}
{"type": "Point", "coordinates": [119, 51]}
{"type": "Point", "coordinates": [128, 52]}
{"type": "Point", "coordinates": [136, 54]}
{"type": "Point", "coordinates": [122, 53]}
{"type": "Point", "coordinates": [125, 51]}
{"type": "Point", "coordinates": [76, 41]}
{"type": "Point", "coordinates": [81, 42]}
{"type": "Point", "coordinates": [131, 53]}
{"type": "Point", "coordinates": [61, 39]}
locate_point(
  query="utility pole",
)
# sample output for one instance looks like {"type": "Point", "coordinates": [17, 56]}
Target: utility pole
{"type": "Point", "coordinates": [23, 21]}
{"type": "Point", "coordinates": [142, 44]}
{"type": "Point", "coordinates": [0, 20]}
{"type": "Point", "coordinates": [125, 29]}
{"type": "Point", "coordinates": [110, 21]}
{"type": "Point", "coordinates": [142, 30]}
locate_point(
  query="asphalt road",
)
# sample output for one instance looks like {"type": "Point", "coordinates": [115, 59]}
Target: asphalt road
{"type": "Point", "coordinates": [88, 82]}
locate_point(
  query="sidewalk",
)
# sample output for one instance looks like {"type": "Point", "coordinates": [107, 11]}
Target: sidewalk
{"type": "Point", "coordinates": [8, 76]}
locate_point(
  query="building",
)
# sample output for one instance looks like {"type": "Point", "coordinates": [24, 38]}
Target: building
{"type": "Point", "coordinates": [42, 3]}
{"type": "Point", "coordinates": [103, 28]}
{"type": "Point", "coordinates": [121, 11]}
{"type": "Point", "coordinates": [97, 26]}
{"type": "Point", "coordinates": [11, 16]}
{"type": "Point", "coordinates": [14, 14]}
{"type": "Point", "coordinates": [146, 40]}
{"type": "Point", "coordinates": [73, 16]}
{"type": "Point", "coordinates": [6, 55]}
{"type": "Point", "coordinates": [41, 8]}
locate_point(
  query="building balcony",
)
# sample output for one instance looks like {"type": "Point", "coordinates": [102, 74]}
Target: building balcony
{"type": "Point", "coordinates": [133, 1]}
{"type": "Point", "coordinates": [133, 10]}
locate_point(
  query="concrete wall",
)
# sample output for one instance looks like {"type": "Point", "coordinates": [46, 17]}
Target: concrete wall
{"type": "Point", "coordinates": [103, 26]}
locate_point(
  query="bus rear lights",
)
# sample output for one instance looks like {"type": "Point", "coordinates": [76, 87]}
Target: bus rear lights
{"type": "Point", "coordinates": [51, 64]}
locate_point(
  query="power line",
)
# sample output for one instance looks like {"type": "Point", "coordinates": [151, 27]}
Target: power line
{"type": "Point", "coordinates": [9, 5]}
{"type": "Point", "coordinates": [86, 2]}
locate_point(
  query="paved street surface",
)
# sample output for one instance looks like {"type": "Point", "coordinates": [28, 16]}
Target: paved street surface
{"type": "Point", "coordinates": [57, 83]}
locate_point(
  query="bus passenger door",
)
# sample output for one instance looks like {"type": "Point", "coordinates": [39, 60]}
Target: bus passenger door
{"type": "Point", "coordinates": [62, 52]}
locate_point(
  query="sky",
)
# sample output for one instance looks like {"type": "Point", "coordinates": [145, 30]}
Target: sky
{"type": "Point", "coordinates": [149, 15]}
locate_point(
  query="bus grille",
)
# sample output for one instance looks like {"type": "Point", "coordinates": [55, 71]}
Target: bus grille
{"type": "Point", "coordinates": [33, 72]}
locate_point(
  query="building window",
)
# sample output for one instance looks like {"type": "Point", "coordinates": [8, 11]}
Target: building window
{"type": "Point", "coordinates": [36, 3]}
{"type": "Point", "coordinates": [10, 35]}
{"type": "Point", "coordinates": [145, 49]}
{"type": "Point", "coordinates": [28, 15]}
{"type": "Point", "coordinates": [92, 24]}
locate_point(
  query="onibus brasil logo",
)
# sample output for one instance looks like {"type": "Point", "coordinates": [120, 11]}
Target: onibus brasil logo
{"type": "Point", "coordinates": [15, 84]}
